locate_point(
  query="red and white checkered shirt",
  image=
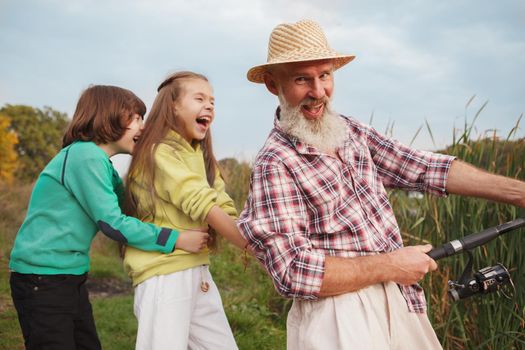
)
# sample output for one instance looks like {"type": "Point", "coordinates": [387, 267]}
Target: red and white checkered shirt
{"type": "Point", "coordinates": [304, 204]}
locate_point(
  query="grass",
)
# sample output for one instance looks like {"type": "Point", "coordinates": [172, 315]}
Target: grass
{"type": "Point", "coordinates": [256, 313]}
{"type": "Point", "coordinates": [116, 324]}
{"type": "Point", "coordinates": [13, 202]}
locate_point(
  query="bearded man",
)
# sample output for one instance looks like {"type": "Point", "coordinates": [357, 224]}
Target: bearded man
{"type": "Point", "coordinates": [318, 215]}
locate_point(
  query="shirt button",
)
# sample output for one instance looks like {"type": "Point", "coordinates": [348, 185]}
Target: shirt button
{"type": "Point", "coordinates": [35, 289]}
{"type": "Point", "coordinates": [39, 278]}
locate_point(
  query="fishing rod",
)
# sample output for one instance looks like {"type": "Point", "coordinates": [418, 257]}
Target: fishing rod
{"type": "Point", "coordinates": [486, 280]}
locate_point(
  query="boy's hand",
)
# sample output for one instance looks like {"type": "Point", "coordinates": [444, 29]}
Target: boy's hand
{"type": "Point", "coordinates": [192, 240]}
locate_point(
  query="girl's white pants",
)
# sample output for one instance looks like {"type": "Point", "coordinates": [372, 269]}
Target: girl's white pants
{"type": "Point", "coordinates": [174, 313]}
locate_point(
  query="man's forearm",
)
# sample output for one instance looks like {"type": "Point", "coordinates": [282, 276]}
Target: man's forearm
{"type": "Point", "coordinates": [344, 275]}
{"type": "Point", "coordinates": [467, 180]}
{"type": "Point", "coordinates": [405, 266]}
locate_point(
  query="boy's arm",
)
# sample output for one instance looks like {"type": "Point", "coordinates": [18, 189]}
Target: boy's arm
{"type": "Point", "coordinates": [89, 179]}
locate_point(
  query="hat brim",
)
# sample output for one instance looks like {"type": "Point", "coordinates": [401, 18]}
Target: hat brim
{"type": "Point", "coordinates": [256, 74]}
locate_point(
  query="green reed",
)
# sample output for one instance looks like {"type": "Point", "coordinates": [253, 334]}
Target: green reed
{"type": "Point", "coordinates": [490, 321]}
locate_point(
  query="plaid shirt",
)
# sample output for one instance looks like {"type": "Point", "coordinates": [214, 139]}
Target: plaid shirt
{"type": "Point", "coordinates": [304, 204]}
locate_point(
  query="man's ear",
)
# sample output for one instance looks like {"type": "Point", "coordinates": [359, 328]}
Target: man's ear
{"type": "Point", "coordinates": [270, 83]}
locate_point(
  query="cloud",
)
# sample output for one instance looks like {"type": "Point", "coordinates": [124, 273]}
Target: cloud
{"type": "Point", "coordinates": [415, 59]}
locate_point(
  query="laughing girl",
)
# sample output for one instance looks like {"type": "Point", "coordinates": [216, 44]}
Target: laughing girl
{"type": "Point", "coordinates": [174, 181]}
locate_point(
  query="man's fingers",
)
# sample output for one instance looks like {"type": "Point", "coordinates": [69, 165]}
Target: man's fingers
{"type": "Point", "coordinates": [426, 248]}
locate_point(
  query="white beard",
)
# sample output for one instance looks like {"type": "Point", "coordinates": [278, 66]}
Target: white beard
{"type": "Point", "coordinates": [326, 133]}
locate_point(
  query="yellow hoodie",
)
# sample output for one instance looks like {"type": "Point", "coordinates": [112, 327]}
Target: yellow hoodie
{"type": "Point", "coordinates": [184, 203]}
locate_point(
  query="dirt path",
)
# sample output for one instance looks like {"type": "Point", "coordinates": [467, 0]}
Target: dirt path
{"type": "Point", "coordinates": [107, 287]}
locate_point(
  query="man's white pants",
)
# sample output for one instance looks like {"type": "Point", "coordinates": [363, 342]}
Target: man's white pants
{"type": "Point", "coordinates": [174, 313]}
{"type": "Point", "coordinates": [373, 318]}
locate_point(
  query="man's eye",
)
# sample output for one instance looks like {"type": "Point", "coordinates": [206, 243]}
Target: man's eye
{"type": "Point", "coordinates": [300, 80]}
{"type": "Point", "coordinates": [325, 76]}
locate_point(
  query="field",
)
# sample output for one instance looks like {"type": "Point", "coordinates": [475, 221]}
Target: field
{"type": "Point", "coordinates": [257, 314]}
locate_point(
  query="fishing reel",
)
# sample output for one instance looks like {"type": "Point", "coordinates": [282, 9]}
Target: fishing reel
{"type": "Point", "coordinates": [487, 280]}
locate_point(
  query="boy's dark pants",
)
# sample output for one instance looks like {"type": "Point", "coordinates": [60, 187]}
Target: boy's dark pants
{"type": "Point", "coordinates": [54, 311]}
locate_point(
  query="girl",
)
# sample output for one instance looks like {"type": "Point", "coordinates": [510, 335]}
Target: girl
{"type": "Point", "coordinates": [76, 195]}
{"type": "Point", "coordinates": [174, 181]}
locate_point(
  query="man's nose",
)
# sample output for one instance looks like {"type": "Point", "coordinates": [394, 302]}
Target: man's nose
{"type": "Point", "coordinates": [317, 90]}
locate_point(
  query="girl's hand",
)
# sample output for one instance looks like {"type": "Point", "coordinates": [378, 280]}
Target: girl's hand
{"type": "Point", "coordinates": [192, 240]}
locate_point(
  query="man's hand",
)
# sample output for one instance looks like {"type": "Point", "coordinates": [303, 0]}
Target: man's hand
{"type": "Point", "coordinates": [192, 240]}
{"type": "Point", "coordinates": [408, 265]}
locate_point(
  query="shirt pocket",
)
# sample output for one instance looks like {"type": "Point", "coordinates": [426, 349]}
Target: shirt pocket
{"type": "Point", "coordinates": [322, 188]}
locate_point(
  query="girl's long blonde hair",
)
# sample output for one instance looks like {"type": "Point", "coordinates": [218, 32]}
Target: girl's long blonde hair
{"type": "Point", "coordinates": [161, 119]}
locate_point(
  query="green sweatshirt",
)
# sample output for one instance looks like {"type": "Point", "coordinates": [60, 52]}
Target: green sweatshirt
{"type": "Point", "coordinates": [76, 195]}
{"type": "Point", "coordinates": [185, 199]}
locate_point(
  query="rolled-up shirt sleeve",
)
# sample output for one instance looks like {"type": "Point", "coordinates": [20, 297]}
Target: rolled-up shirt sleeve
{"type": "Point", "coordinates": [274, 223]}
{"type": "Point", "coordinates": [400, 166]}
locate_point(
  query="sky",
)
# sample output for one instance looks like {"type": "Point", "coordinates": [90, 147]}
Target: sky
{"type": "Point", "coordinates": [417, 63]}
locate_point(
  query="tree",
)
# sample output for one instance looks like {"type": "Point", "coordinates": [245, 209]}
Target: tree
{"type": "Point", "coordinates": [39, 135]}
{"type": "Point", "coordinates": [8, 155]}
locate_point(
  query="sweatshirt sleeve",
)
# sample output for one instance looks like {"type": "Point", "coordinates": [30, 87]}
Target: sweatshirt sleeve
{"type": "Point", "coordinates": [186, 189]}
{"type": "Point", "coordinates": [89, 178]}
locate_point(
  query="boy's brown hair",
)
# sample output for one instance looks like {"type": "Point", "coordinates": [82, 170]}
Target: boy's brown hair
{"type": "Point", "coordinates": [102, 115]}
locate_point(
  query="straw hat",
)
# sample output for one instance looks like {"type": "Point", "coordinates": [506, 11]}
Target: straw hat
{"type": "Point", "coordinates": [297, 42]}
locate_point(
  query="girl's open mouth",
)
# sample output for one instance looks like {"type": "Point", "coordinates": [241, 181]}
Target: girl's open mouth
{"type": "Point", "coordinates": [204, 120]}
